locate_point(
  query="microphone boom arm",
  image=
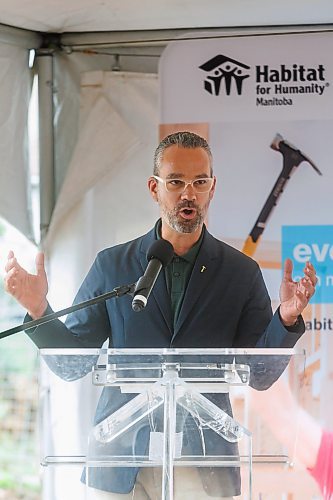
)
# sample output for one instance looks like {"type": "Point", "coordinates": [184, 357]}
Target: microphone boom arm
{"type": "Point", "coordinates": [115, 293]}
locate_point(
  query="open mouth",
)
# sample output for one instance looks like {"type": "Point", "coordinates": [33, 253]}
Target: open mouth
{"type": "Point", "coordinates": [187, 213]}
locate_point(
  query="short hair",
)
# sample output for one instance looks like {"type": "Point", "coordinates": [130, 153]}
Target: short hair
{"type": "Point", "coordinates": [182, 139]}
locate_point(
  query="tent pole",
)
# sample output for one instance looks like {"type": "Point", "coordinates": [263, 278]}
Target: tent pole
{"type": "Point", "coordinates": [46, 139]}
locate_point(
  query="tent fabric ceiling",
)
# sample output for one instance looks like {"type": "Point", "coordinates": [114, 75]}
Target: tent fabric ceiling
{"type": "Point", "coordinates": [60, 16]}
{"type": "Point", "coordinates": [78, 19]}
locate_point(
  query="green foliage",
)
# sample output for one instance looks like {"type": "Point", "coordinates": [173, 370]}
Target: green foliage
{"type": "Point", "coordinates": [18, 355]}
{"type": "Point", "coordinates": [19, 469]}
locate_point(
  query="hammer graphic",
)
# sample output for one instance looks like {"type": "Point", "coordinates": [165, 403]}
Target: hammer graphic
{"type": "Point", "coordinates": [292, 157]}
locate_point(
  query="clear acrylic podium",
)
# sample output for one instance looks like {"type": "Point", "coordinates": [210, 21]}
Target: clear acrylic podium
{"type": "Point", "coordinates": [163, 414]}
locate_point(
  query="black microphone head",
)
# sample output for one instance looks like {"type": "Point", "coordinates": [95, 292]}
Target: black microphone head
{"type": "Point", "coordinates": [161, 250]}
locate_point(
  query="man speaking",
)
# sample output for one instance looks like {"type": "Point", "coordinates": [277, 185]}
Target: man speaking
{"type": "Point", "coordinates": [209, 296]}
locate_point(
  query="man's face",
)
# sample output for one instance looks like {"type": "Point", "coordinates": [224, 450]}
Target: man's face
{"type": "Point", "coordinates": [184, 211]}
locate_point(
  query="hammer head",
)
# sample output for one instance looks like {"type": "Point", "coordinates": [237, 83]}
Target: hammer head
{"type": "Point", "coordinates": [287, 149]}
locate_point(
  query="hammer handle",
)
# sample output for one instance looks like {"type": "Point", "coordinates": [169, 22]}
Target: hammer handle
{"type": "Point", "coordinates": [291, 159]}
{"type": "Point", "coordinates": [271, 201]}
{"type": "Point", "coordinates": [268, 207]}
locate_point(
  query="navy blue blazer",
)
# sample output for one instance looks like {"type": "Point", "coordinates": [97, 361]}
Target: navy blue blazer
{"type": "Point", "coordinates": [226, 306]}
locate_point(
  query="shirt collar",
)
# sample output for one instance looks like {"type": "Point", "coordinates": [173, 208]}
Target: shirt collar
{"type": "Point", "coordinates": [192, 253]}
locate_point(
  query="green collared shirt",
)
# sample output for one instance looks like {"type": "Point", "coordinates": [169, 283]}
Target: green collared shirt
{"type": "Point", "coordinates": [177, 274]}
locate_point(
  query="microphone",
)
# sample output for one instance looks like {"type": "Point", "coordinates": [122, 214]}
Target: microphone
{"type": "Point", "coordinates": [159, 255]}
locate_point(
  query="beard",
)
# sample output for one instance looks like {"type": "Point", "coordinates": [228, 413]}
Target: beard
{"type": "Point", "coordinates": [176, 222]}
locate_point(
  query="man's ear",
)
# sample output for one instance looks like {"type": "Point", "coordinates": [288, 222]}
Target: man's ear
{"type": "Point", "coordinates": [152, 186]}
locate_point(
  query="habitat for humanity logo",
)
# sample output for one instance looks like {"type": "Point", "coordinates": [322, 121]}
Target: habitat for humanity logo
{"type": "Point", "coordinates": [224, 72]}
{"type": "Point", "coordinates": [273, 86]}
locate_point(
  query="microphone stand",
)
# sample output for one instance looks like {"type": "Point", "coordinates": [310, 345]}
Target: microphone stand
{"type": "Point", "coordinates": [115, 293]}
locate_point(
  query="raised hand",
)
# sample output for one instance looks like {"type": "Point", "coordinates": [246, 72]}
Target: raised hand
{"type": "Point", "coordinates": [295, 295]}
{"type": "Point", "coordinates": [29, 290]}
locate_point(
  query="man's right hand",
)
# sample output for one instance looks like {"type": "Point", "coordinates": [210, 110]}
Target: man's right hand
{"type": "Point", "coordinates": [29, 290]}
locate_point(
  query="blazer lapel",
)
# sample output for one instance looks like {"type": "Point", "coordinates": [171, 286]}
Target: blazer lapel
{"type": "Point", "coordinates": [159, 292]}
{"type": "Point", "coordinates": [203, 275]}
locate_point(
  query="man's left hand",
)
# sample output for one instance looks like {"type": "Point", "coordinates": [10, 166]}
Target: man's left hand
{"type": "Point", "coordinates": [295, 295]}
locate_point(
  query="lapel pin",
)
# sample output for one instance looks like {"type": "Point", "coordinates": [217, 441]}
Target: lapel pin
{"type": "Point", "coordinates": [203, 269]}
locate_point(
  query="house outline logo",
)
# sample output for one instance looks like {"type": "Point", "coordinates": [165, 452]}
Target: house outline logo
{"type": "Point", "coordinates": [222, 69]}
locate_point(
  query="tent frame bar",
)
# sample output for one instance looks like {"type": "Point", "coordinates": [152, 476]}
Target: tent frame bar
{"type": "Point", "coordinates": [72, 41]}
{"type": "Point", "coordinates": [20, 37]}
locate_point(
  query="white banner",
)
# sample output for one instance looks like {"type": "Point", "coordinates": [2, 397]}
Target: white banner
{"type": "Point", "coordinates": [251, 96]}
{"type": "Point", "coordinates": [264, 103]}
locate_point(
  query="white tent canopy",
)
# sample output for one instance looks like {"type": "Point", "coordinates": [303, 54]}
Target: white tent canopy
{"type": "Point", "coordinates": [74, 36]}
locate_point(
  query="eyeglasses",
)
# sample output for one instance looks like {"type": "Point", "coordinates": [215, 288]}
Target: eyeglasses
{"type": "Point", "coordinates": [202, 185]}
